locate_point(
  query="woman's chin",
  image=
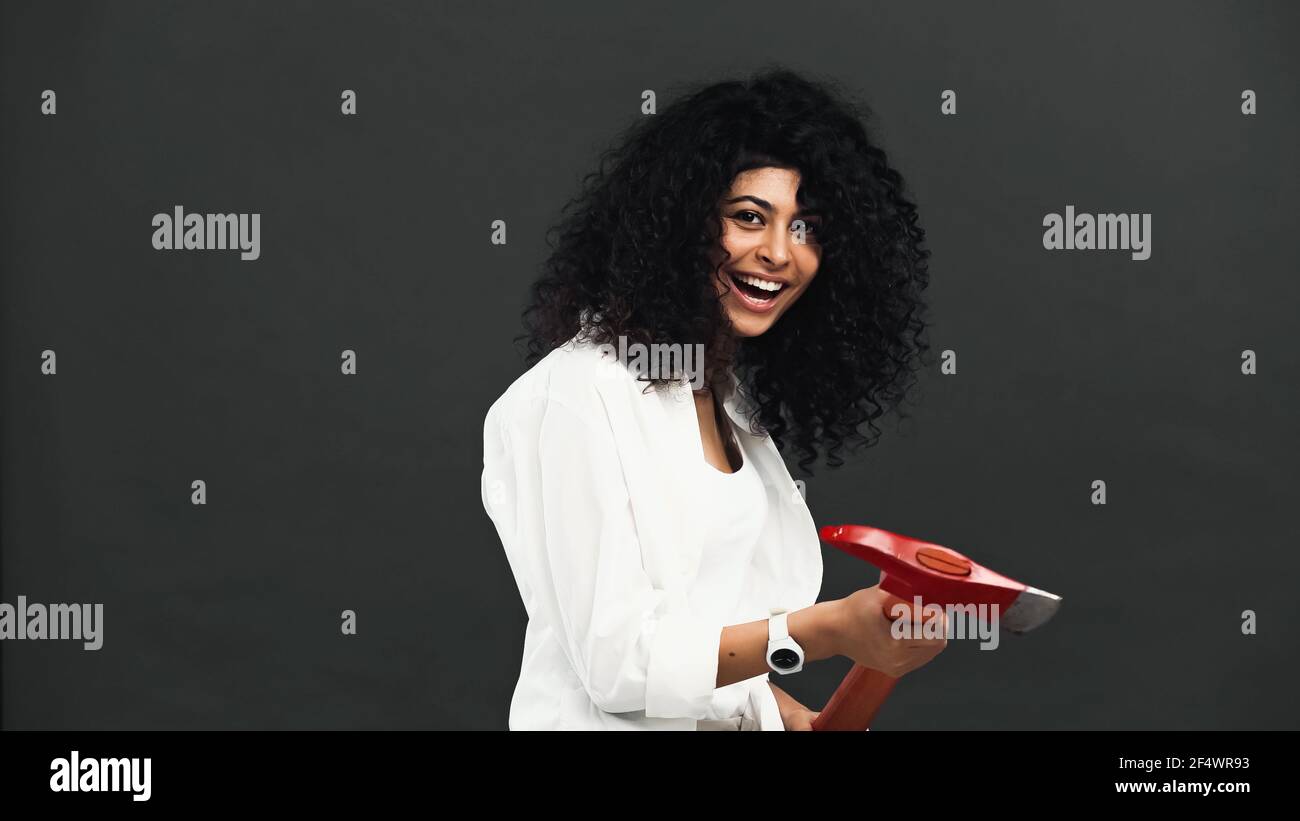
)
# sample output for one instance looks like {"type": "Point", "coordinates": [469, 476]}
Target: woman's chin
{"type": "Point", "coordinates": [748, 324]}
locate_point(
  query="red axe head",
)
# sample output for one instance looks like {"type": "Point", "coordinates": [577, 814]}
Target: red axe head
{"type": "Point", "coordinates": [942, 576]}
{"type": "Point", "coordinates": [938, 575]}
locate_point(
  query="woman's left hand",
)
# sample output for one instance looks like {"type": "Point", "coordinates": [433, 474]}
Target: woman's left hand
{"type": "Point", "coordinates": [794, 715]}
{"type": "Point", "coordinates": [800, 718]}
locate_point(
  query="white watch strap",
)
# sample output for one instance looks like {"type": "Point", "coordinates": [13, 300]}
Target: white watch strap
{"type": "Point", "coordinates": [777, 628]}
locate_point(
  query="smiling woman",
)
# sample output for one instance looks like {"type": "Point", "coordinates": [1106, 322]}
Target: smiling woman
{"type": "Point", "coordinates": [663, 553]}
{"type": "Point", "coordinates": [764, 252]}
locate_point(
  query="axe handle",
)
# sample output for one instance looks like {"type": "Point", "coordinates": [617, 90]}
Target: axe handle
{"type": "Point", "coordinates": [856, 701]}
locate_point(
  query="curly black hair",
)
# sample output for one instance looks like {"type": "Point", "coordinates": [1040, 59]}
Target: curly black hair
{"type": "Point", "coordinates": [631, 257]}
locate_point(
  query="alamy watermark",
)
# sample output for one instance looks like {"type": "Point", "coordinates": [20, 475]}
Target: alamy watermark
{"type": "Point", "coordinates": [660, 360]}
{"type": "Point", "coordinates": [78, 622]}
{"type": "Point", "coordinates": [963, 621]}
{"type": "Point", "coordinates": [77, 774]}
{"type": "Point", "coordinates": [180, 231]}
{"type": "Point", "coordinates": [1100, 232]}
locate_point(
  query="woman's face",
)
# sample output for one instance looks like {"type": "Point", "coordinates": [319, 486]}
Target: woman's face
{"type": "Point", "coordinates": [773, 247]}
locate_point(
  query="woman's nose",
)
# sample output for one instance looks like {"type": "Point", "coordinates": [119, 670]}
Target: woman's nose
{"type": "Point", "coordinates": [775, 248]}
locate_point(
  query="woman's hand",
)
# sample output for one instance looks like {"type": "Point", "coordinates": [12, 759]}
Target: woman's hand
{"type": "Point", "coordinates": [794, 715]}
{"type": "Point", "coordinates": [866, 634]}
{"type": "Point", "coordinates": [799, 719]}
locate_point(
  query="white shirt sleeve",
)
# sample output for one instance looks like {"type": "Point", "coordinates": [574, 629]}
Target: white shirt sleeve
{"type": "Point", "coordinates": [632, 645]}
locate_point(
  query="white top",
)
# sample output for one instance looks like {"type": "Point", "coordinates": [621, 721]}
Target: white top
{"type": "Point", "coordinates": [626, 563]}
{"type": "Point", "coordinates": [729, 531]}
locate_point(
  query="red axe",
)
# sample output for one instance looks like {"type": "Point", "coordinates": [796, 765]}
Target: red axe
{"type": "Point", "coordinates": [940, 576]}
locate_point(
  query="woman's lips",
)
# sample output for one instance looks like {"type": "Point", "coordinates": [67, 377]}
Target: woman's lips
{"type": "Point", "coordinates": [758, 306]}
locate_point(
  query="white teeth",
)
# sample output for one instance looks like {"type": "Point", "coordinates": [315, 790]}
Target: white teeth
{"type": "Point", "coordinates": [762, 284]}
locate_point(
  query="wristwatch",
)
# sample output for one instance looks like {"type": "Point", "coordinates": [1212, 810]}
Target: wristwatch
{"type": "Point", "coordinates": [784, 655]}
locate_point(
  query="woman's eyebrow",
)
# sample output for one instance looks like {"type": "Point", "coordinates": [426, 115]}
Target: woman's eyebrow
{"type": "Point", "coordinates": [760, 203]}
{"type": "Point", "coordinates": [764, 204]}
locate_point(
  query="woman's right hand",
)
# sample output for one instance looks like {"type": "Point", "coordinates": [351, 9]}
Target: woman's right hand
{"type": "Point", "coordinates": [866, 636]}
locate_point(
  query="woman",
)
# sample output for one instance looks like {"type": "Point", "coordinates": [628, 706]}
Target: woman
{"type": "Point", "coordinates": [658, 542]}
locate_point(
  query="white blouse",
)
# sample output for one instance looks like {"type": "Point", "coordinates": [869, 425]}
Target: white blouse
{"type": "Point", "coordinates": [729, 531]}
{"type": "Point", "coordinates": [629, 555]}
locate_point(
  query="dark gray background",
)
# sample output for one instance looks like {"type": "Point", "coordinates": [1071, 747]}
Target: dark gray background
{"type": "Point", "coordinates": [328, 493]}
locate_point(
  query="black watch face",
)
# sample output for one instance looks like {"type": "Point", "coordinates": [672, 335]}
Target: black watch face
{"type": "Point", "coordinates": [785, 658]}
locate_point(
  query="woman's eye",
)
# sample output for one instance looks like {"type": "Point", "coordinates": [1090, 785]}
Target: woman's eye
{"type": "Point", "coordinates": [810, 229]}
{"type": "Point", "coordinates": [743, 216]}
